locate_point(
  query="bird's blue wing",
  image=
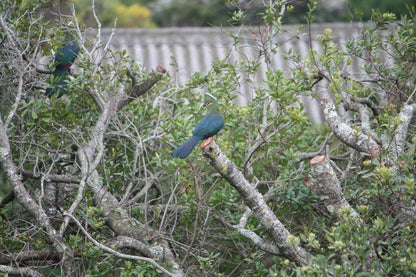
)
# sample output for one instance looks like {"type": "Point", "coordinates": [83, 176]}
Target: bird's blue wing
{"type": "Point", "coordinates": [209, 125]}
{"type": "Point", "coordinates": [66, 53]}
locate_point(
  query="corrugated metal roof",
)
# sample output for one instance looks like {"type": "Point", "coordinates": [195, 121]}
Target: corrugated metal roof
{"type": "Point", "coordinates": [184, 51]}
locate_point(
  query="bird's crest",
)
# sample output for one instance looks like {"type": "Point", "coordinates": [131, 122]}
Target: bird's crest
{"type": "Point", "coordinates": [209, 99]}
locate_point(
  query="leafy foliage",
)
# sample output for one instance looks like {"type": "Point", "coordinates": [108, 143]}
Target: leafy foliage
{"type": "Point", "coordinates": [187, 201]}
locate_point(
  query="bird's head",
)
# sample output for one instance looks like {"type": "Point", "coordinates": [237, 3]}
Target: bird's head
{"type": "Point", "coordinates": [210, 102]}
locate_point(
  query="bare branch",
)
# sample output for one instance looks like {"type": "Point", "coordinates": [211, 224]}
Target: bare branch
{"type": "Point", "coordinates": [163, 207]}
{"type": "Point", "coordinates": [43, 71]}
{"type": "Point", "coordinates": [139, 89]}
{"type": "Point", "coordinates": [264, 245]}
{"type": "Point", "coordinates": [20, 191]}
{"type": "Point", "coordinates": [5, 200]}
{"type": "Point", "coordinates": [121, 242]}
{"type": "Point", "coordinates": [74, 205]}
{"type": "Point", "coordinates": [56, 178]}
{"type": "Point", "coordinates": [406, 115]}
{"type": "Point", "coordinates": [21, 271]}
{"type": "Point", "coordinates": [33, 255]}
{"type": "Point", "coordinates": [306, 156]}
{"type": "Point", "coordinates": [10, 35]}
{"type": "Point", "coordinates": [95, 55]}
{"type": "Point", "coordinates": [369, 103]}
{"type": "Point", "coordinates": [325, 183]}
{"type": "Point", "coordinates": [344, 132]}
{"type": "Point", "coordinates": [366, 121]}
{"type": "Point", "coordinates": [90, 156]}
{"type": "Point", "coordinates": [258, 241]}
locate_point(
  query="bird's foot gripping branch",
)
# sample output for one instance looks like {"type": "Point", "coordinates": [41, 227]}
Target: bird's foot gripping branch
{"type": "Point", "coordinates": [257, 204]}
{"type": "Point", "coordinates": [207, 142]}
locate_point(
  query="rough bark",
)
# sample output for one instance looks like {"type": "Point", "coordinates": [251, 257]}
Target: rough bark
{"type": "Point", "coordinates": [345, 133]}
{"type": "Point", "coordinates": [405, 115]}
{"type": "Point", "coordinates": [324, 183]}
{"type": "Point", "coordinates": [151, 250]}
{"type": "Point", "coordinates": [21, 271]}
{"type": "Point", "coordinates": [33, 255]}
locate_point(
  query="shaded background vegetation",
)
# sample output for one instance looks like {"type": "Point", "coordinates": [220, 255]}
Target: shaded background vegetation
{"type": "Point", "coordinates": [159, 13]}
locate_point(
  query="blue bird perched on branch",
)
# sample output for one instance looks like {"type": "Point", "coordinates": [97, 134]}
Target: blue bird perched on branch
{"type": "Point", "coordinates": [209, 125]}
{"type": "Point", "coordinates": [64, 58]}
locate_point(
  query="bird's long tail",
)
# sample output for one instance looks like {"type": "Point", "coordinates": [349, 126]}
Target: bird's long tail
{"type": "Point", "coordinates": [59, 83]}
{"type": "Point", "coordinates": [186, 148]}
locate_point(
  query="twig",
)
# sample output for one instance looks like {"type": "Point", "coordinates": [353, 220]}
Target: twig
{"type": "Point", "coordinates": [307, 156]}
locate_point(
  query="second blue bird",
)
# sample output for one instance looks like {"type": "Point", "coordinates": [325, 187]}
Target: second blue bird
{"type": "Point", "coordinates": [64, 58]}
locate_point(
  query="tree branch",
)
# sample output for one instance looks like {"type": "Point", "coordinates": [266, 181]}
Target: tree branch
{"type": "Point", "coordinates": [255, 202]}
{"type": "Point", "coordinates": [118, 254]}
{"type": "Point", "coordinates": [406, 115]}
{"type": "Point", "coordinates": [344, 132]}
{"type": "Point", "coordinates": [121, 242]}
{"type": "Point", "coordinates": [21, 271]}
{"type": "Point", "coordinates": [138, 89]}
{"type": "Point", "coordinates": [7, 199]}
{"type": "Point", "coordinates": [324, 183]}
{"type": "Point", "coordinates": [26, 256]}
{"type": "Point", "coordinates": [306, 156]}
{"type": "Point", "coordinates": [90, 156]}
{"type": "Point", "coordinates": [264, 245]}
{"type": "Point", "coordinates": [26, 200]}
{"type": "Point", "coordinates": [56, 178]}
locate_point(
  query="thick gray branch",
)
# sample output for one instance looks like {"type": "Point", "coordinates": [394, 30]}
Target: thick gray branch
{"type": "Point", "coordinates": [255, 202]}
{"type": "Point", "coordinates": [406, 116]}
{"type": "Point", "coordinates": [26, 256]}
{"type": "Point", "coordinates": [20, 271]}
{"type": "Point", "coordinates": [324, 183]}
{"type": "Point", "coordinates": [258, 241]}
{"type": "Point", "coordinates": [263, 244]}
{"type": "Point", "coordinates": [121, 242]}
{"type": "Point", "coordinates": [344, 132]}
